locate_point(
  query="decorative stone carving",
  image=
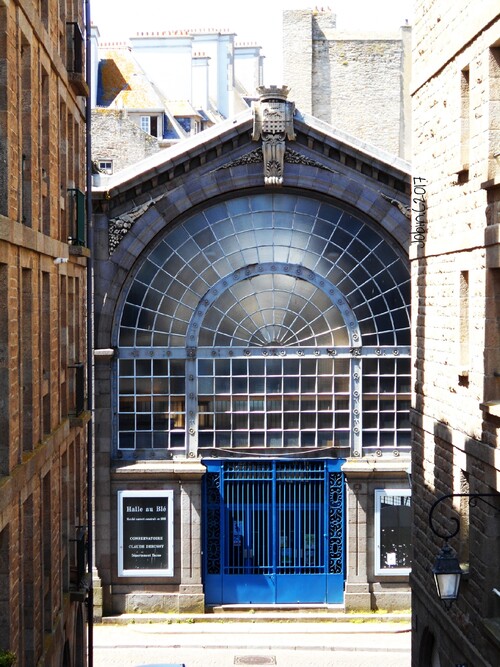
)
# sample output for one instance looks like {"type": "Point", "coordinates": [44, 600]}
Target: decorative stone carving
{"type": "Point", "coordinates": [291, 157]}
{"type": "Point", "coordinates": [119, 226]}
{"type": "Point", "coordinates": [405, 210]}
{"type": "Point", "coordinates": [273, 123]}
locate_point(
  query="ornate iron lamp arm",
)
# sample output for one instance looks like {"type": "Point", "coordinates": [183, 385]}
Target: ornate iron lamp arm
{"type": "Point", "coordinates": [456, 522]}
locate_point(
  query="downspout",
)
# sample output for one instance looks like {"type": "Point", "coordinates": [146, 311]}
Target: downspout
{"type": "Point", "coordinates": [90, 337]}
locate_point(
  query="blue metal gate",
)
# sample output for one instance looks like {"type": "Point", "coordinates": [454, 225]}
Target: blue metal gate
{"type": "Point", "coordinates": [273, 532]}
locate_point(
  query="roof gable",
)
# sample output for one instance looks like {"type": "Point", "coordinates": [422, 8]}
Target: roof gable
{"type": "Point", "coordinates": [229, 144]}
{"type": "Point", "coordinates": [123, 83]}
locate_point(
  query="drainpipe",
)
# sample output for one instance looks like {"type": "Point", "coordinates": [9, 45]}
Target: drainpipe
{"type": "Point", "coordinates": [90, 337]}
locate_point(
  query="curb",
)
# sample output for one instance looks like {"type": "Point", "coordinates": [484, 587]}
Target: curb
{"type": "Point", "coordinates": [259, 617]}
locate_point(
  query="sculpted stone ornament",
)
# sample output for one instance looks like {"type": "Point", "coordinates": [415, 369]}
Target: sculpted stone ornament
{"type": "Point", "coordinates": [273, 123]}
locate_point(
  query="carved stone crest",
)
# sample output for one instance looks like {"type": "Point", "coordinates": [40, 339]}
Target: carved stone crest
{"type": "Point", "coordinates": [273, 124]}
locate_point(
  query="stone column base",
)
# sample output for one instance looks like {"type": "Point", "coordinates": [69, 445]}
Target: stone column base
{"type": "Point", "coordinates": [185, 602]}
{"type": "Point", "coordinates": [357, 597]}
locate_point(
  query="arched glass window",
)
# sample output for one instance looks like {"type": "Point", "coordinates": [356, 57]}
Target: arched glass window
{"type": "Point", "coordinates": [266, 321]}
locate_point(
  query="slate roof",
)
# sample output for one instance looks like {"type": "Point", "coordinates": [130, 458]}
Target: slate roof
{"type": "Point", "coordinates": [123, 83]}
{"type": "Point", "coordinates": [145, 169]}
{"type": "Point", "coordinates": [183, 108]}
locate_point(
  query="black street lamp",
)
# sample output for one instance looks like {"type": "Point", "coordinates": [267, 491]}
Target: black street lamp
{"type": "Point", "coordinates": [447, 571]}
{"type": "Point", "coordinates": [447, 575]}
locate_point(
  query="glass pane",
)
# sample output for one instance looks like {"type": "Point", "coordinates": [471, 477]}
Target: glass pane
{"type": "Point", "coordinates": [291, 385]}
{"type": "Point", "coordinates": [126, 385]}
{"type": "Point", "coordinates": [291, 420]}
{"type": "Point", "coordinates": [395, 531]}
{"type": "Point", "coordinates": [240, 421]}
{"type": "Point", "coordinates": [222, 385]}
{"type": "Point", "coordinates": [143, 386]}
{"type": "Point", "coordinates": [205, 385]}
{"type": "Point", "coordinates": [308, 420]}
{"type": "Point", "coordinates": [126, 404]}
{"type": "Point", "coordinates": [256, 420]}
{"type": "Point", "coordinates": [143, 440]}
{"type": "Point", "coordinates": [342, 420]}
{"type": "Point", "coordinates": [177, 440]}
{"type": "Point", "coordinates": [177, 385]}
{"type": "Point", "coordinates": [274, 439]}
{"type": "Point", "coordinates": [257, 439]}
{"type": "Point", "coordinates": [386, 420]}
{"type": "Point", "coordinates": [126, 422]}
{"type": "Point", "coordinates": [160, 367]}
{"type": "Point", "coordinates": [240, 385]}
{"type": "Point", "coordinates": [143, 405]}
{"type": "Point", "coordinates": [256, 385]}
{"type": "Point", "coordinates": [143, 422]}
{"type": "Point", "coordinates": [274, 420]}
{"type": "Point", "coordinates": [325, 420]}
{"type": "Point", "coordinates": [161, 422]}
{"type": "Point", "coordinates": [126, 441]}
{"type": "Point", "coordinates": [274, 385]}
{"type": "Point", "coordinates": [127, 367]}
{"type": "Point", "coordinates": [291, 439]}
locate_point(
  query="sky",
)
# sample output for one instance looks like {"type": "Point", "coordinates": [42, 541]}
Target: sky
{"type": "Point", "coordinates": [252, 20]}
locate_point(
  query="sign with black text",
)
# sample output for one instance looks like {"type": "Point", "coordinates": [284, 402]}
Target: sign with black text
{"type": "Point", "coordinates": [145, 533]}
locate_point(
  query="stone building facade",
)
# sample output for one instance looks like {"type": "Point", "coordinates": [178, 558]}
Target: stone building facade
{"type": "Point", "coordinates": [455, 257]}
{"type": "Point", "coordinates": [159, 88]}
{"type": "Point", "coordinates": [252, 370]}
{"type": "Point", "coordinates": [119, 141]}
{"type": "Point", "coordinates": [43, 423]}
{"type": "Point", "coordinates": [359, 83]}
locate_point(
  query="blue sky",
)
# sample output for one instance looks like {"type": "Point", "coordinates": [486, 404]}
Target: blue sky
{"type": "Point", "coordinates": [252, 20]}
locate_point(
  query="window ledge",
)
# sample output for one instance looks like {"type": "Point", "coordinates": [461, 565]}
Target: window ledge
{"type": "Point", "coordinates": [491, 183]}
{"type": "Point", "coordinates": [79, 250]}
{"type": "Point", "coordinates": [491, 407]}
{"type": "Point", "coordinates": [78, 83]}
{"type": "Point", "coordinates": [79, 421]}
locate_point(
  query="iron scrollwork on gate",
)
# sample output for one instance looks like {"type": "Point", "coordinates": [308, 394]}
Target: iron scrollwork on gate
{"type": "Point", "coordinates": [213, 498]}
{"type": "Point", "coordinates": [335, 523]}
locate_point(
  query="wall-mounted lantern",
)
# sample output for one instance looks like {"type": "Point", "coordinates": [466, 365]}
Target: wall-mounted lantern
{"type": "Point", "coordinates": [446, 570]}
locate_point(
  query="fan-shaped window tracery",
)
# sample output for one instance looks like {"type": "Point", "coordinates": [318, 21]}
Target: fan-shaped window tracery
{"type": "Point", "coordinates": [256, 280]}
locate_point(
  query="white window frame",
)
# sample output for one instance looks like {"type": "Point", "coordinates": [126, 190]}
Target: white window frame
{"type": "Point", "coordinates": [379, 569]}
{"type": "Point", "coordinates": [145, 124]}
{"type": "Point", "coordinates": [104, 169]}
{"type": "Point", "coordinates": [166, 497]}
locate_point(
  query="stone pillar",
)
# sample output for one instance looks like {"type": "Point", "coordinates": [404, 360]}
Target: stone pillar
{"type": "Point", "coordinates": [357, 589]}
{"type": "Point", "coordinates": [365, 590]}
{"type": "Point", "coordinates": [183, 591]}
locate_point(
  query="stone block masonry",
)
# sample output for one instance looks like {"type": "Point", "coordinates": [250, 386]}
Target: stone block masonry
{"type": "Point", "coordinates": [43, 441]}
{"type": "Point", "coordinates": [456, 283]}
{"type": "Point", "coordinates": [359, 83]}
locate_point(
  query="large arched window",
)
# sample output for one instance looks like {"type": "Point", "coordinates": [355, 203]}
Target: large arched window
{"type": "Point", "coordinates": [266, 321]}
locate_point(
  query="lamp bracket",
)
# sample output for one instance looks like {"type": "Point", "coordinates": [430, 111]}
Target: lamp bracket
{"type": "Point", "coordinates": [473, 498]}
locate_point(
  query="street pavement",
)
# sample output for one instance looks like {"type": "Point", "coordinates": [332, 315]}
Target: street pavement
{"type": "Point", "coordinates": [227, 643]}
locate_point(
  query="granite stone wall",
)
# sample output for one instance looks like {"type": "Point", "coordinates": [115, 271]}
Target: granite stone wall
{"type": "Point", "coordinates": [456, 321]}
{"type": "Point", "coordinates": [359, 83]}
{"type": "Point", "coordinates": [115, 137]}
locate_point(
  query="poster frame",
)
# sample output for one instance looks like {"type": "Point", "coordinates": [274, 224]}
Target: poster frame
{"type": "Point", "coordinates": [166, 496]}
